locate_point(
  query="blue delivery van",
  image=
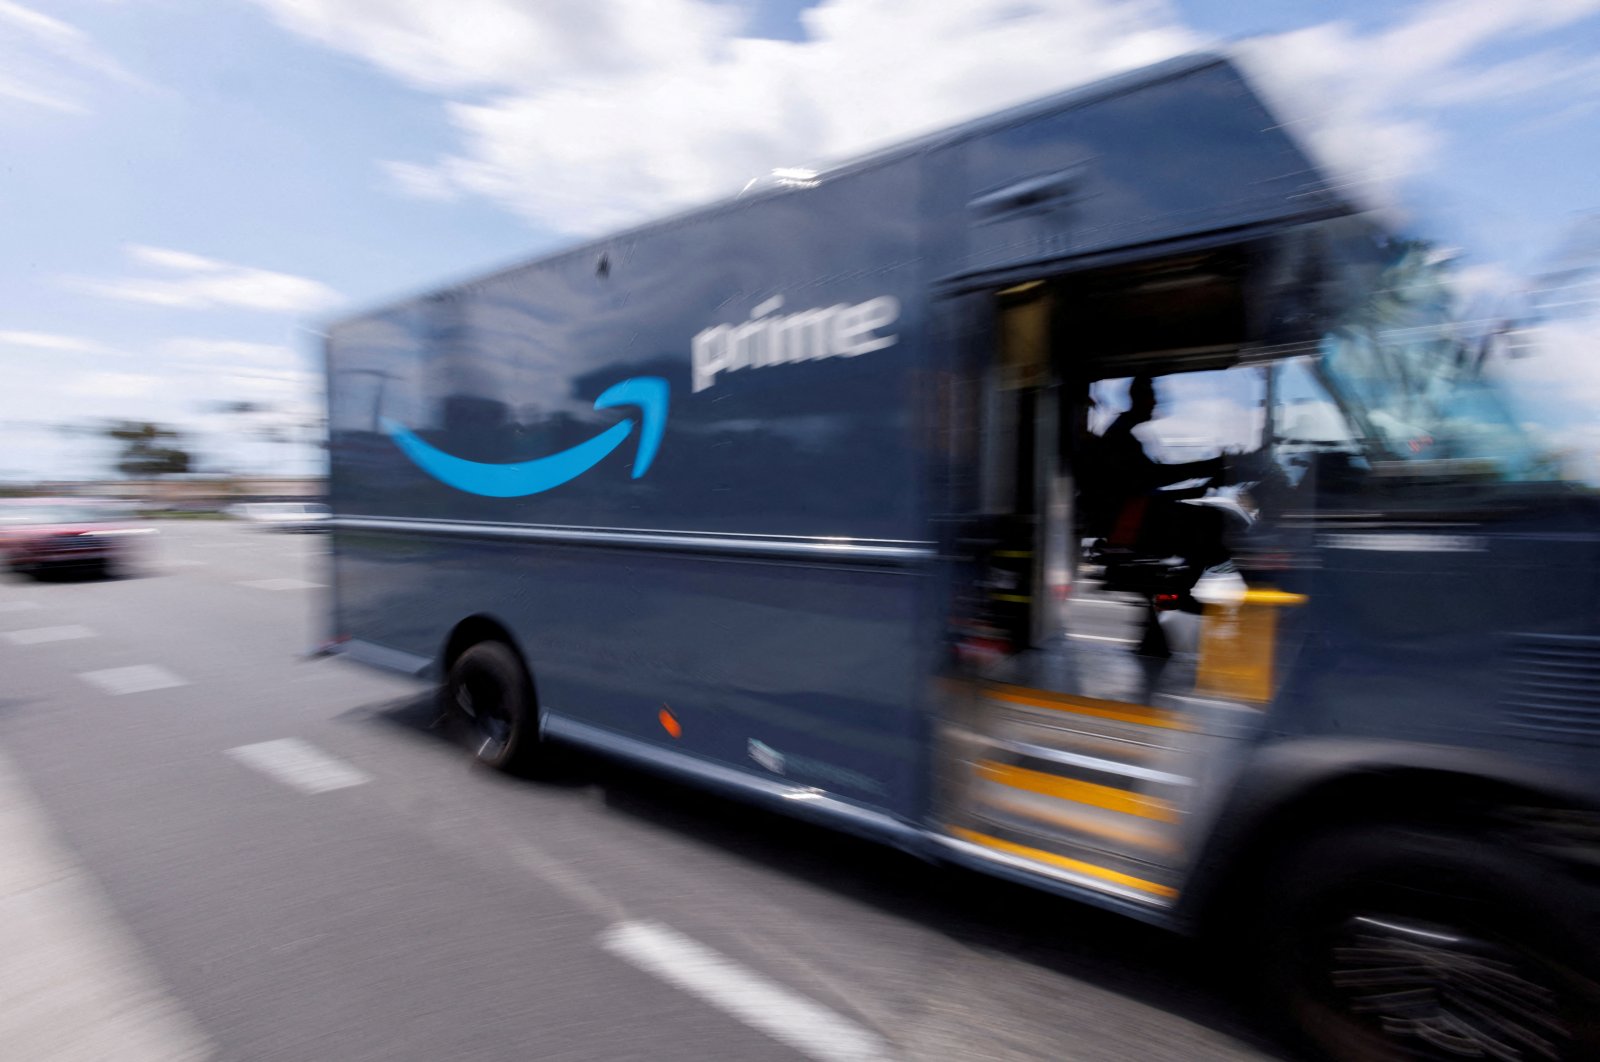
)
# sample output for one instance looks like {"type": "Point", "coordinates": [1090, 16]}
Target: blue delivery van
{"type": "Point", "coordinates": [1090, 495]}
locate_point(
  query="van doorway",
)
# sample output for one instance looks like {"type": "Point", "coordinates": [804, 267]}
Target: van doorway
{"type": "Point", "coordinates": [1107, 440]}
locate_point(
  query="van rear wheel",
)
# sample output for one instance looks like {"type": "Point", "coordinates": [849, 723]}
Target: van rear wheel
{"type": "Point", "coordinates": [489, 689]}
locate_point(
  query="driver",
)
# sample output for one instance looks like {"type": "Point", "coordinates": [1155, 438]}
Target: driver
{"type": "Point", "coordinates": [1151, 521]}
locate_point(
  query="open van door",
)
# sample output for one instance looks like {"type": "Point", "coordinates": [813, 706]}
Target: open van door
{"type": "Point", "coordinates": [1111, 663]}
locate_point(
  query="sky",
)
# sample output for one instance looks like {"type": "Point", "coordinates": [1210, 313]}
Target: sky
{"type": "Point", "coordinates": [189, 189]}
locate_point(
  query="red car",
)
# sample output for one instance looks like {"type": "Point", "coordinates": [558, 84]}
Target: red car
{"type": "Point", "coordinates": [44, 534]}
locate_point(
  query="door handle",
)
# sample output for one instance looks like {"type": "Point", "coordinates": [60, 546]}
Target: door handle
{"type": "Point", "coordinates": [1028, 196]}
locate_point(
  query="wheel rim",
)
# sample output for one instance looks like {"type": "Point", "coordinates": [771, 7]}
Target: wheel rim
{"type": "Point", "coordinates": [483, 702]}
{"type": "Point", "coordinates": [1437, 991]}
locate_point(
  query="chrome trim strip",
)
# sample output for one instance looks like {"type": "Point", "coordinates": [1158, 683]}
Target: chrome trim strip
{"type": "Point", "coordinates": [850, 550]}
{"type": "Point", "coordinates": [1407, 542]}
{"type": "Point", "coordinates": [804, 801]}
{"type": "Point", "coordinates": [1090, 763]}
{"type": "Point", "coordinates": [384, 658]}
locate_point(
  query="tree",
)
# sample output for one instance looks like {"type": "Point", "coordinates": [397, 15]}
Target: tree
{"type": "Point", "coordinates": [277, 425]}
{"type": "Point", "coordinates": [147, 449]}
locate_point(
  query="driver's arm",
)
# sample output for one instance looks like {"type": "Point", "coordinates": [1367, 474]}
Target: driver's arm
{"type": "Point", "coordinates": [1166, 475]}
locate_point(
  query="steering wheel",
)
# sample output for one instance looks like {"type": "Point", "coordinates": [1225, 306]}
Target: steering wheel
{"type": "Point", "coordinates": [1248, 468]}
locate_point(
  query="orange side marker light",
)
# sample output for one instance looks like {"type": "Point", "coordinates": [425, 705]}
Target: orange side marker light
{"type": "Point", "coordinates": [669, 722]}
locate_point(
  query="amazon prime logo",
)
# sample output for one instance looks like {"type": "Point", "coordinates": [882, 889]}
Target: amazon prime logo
{"type": "Point", "coordinates": [521, 478]}
{"type": "Point", "coordinates": [772, 338]}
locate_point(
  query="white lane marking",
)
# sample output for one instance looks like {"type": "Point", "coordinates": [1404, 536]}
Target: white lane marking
{"type": "Point", "coordinates": [35, 635]}
{"type": "Point", "coordinates": [281, 584]}
{"type": "Point", "coordinates": [299, 765]}
{"type": "Point", "coordinates": [140, 678]}
{"type": "Point", "coordinates": [76, 986]}
{"type": "Point", "coordinates": [810, 1028]}
{"type": "Point", "coordinates": [17, 606]}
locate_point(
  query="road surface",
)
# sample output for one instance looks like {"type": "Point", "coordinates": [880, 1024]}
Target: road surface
{"type": "Point", "coordinates": [216, 849]}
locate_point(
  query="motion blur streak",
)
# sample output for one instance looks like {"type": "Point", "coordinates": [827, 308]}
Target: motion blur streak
{"type": "Point", "coordinates": [800, 529]}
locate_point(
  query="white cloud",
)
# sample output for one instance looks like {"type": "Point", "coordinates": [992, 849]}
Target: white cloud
{"type": "Point", "coordinates": [582, 117]}
{"type": "Point", "coordinates": [1366, 103]}
{"type": "Point", "coordinates": [494, 44]}
{"type": "Point", "coordinates": [270, 375]}
{"type": "Point", "coordinates": [235, 351]}
{"type": "Point", "coordinates": [1485, 280]}
{"type": "Point", "coordinates": [1548, 366]}
{"type": "Point", "coordinates": [420, 182]}
{"type": "Point", "coordinates": [208, 282]}
{"type": "Point", "coordinates": [1540, 72]}
{"type": "Point", "coordinates": [20, 91]}
{"type": "Point", "coordinates": [118, 385]}
{"type": "Point", "coordinates": [51, 343]}
{"type": "Point", "coordinates": [45, 62]}
{"type": "Point", "coordinates": [1202, 427]}
{"type": "Point", "coordinates": [180, 261]}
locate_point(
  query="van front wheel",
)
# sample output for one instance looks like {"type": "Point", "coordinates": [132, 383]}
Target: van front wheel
{"type": "Point", "coordinates": [489, 689]}
{"type": "Point", "coordinates": [1390, 945]}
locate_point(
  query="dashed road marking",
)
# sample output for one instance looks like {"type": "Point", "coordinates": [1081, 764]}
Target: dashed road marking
{"type": "Point", "coordinates": [299, 765]}
{"type": "Point", "coordinates": [76, 985]}
{"type": "Point", "coordinates": [790, 1018]}
{"type": "Point", "coordinates": [281, 584]}
{"type": "Point", "coordinates": [140, 678]}
{"type": "Point", "coordinates": [18, 606]}
{"type": "Point", "coordinates": [36, 635]}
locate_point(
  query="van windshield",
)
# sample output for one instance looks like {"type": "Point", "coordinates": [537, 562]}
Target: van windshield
{"type": "Point", "coordinates": [1405, 370]}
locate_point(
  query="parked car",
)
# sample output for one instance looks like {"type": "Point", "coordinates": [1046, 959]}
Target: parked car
{"type": "Point", "coordinates": [45, 534]}
{"type": "Point", "coordinates": [284, 516]}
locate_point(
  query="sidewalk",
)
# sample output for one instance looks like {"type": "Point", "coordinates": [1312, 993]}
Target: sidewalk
{"type": "Point", "coordinates": [73, 986]}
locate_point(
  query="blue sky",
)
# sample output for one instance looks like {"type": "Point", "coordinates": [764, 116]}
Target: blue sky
{"type": "Point", "coordinates": [187, 185]}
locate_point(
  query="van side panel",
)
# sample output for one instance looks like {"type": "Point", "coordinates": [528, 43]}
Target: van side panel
{"type": "Point", "coordinates": [718, 605]}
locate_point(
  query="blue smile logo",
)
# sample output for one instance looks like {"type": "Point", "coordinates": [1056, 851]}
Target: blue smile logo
{"type": "Point", "coordinates": [521, 478]}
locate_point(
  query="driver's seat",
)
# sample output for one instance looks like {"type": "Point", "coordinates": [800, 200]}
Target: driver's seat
{"type": "Point", "coordinates": [1112, 523]}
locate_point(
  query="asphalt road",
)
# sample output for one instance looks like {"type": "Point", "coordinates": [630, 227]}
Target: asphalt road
{"type": "Point", "coordinates": [217, 849]}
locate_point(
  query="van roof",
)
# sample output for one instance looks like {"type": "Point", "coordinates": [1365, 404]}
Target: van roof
{"type": "Point", "coordinates": [1079, 96]}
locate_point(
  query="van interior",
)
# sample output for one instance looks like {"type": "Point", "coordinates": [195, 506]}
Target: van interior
{"type": "Point", "coordinates": [1120, 414]}
{"type": "Point", "coordinates": [1108, 454]}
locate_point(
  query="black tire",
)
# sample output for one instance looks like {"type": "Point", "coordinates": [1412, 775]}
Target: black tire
{"type": "Point", "coordinates": [489, 689]}
{"type": "Point", "coordinates": [1386, 944]}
